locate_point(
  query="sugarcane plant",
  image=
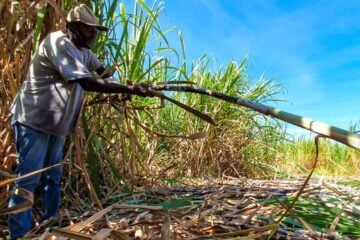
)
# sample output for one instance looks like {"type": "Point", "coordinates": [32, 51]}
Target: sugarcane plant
{"type": "Point", "coordinates": [133, 56]}
{"type": "Point", "coordinates": [122, 141]}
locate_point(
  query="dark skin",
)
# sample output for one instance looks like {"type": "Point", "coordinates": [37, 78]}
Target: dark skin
{"type": "Point", "coordinates": [83, 35]}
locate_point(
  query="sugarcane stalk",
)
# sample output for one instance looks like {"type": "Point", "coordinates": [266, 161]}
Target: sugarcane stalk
{"type": "Point", "coordinates": [335, 133]}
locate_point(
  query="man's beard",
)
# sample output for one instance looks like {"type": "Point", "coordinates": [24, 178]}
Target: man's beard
{"type": "Point", "coordinates": [80, 40]}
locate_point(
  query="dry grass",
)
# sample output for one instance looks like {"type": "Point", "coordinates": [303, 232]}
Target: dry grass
{"type": "Point", "coordinates": [19, 32]}
{"type": "Point", "coordinates": [226, 209]}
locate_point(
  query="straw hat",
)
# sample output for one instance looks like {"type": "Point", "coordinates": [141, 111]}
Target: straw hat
{"type": "Point", "coordinates": [84, 14]}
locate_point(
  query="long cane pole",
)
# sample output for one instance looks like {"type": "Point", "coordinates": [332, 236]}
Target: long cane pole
{"type": "Point", "coordinates": [337, 134]}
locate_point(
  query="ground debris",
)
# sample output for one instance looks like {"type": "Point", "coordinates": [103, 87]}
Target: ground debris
{"type": "Point", "coordinates": [233, 209]}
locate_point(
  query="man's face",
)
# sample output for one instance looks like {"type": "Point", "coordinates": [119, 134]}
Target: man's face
{"type": "Point", "coordinates": [89, 34]}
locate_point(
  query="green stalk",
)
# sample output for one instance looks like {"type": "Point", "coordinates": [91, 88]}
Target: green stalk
{"type": "Point", "coordinates": [38, 27]}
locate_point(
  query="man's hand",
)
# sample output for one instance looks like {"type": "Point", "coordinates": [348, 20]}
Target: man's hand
{"type": "Point", "coordinates": [142, 89]}
{"type": "Point", "coordinates": [105, 73]}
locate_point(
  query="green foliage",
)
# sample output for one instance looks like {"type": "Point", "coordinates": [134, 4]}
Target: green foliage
{"type": "Point", "coordinates": [175, 203]}
{"type": "Point", "coordinates": [38, 27]}
{"type": "Point", "coordinates": [242, 143]}
{"type": "Point", "coordinates": [320, 214]}
{"type": "Point", "coordinates": [335, 159]}
{"type": "Point", "coordinates": [351, 183]}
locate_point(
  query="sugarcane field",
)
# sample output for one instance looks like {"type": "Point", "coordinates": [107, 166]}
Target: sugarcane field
{"type": "Point", "coordinates": [146, 119]}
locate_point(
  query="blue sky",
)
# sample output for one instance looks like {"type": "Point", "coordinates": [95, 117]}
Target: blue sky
{"type": "Point", "coordinates": [312, 47]}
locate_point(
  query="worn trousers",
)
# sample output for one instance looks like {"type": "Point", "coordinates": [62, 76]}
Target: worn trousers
{"type": "Point", "coordinates": [35, 150]}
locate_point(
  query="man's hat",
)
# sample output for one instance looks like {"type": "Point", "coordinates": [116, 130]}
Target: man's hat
{"type": "Point", "coordinates": [84, 14]}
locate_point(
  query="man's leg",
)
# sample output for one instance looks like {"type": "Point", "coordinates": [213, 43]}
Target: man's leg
{"type": "Point", "coordinates": [52, 178]}
{"type": "Point", "coordinates": [31, 148]}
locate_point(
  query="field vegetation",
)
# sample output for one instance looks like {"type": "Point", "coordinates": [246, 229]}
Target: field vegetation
{"type": "Point", "coordinates": [120, 145]}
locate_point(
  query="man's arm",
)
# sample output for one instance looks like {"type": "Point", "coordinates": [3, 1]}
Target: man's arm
{"type": "Point", "coordinates": [103, 85]}
{"type": "Point", "coordinates": [110, 85]}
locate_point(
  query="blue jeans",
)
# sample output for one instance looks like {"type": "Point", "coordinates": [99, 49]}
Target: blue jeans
{"type": "Point", "coordinates": [35, 150]}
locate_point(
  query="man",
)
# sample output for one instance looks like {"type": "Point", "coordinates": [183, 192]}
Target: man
{"type": "Point", "coordinates": [48, 105]}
